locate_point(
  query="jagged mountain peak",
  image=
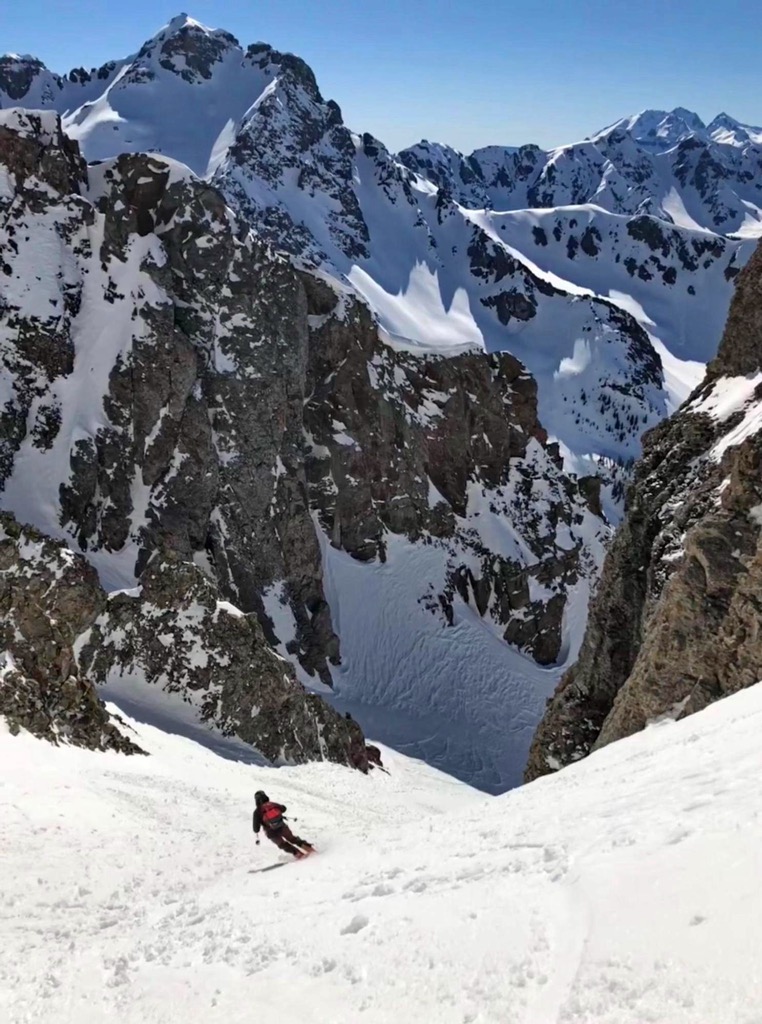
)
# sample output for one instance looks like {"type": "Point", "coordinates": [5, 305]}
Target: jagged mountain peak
{"type": "Point", "coordinates": [182, 21]}
{"type": "Point", "coordinates": [187, 48]}
{"type": "Point", "coordinates": [187, 92]}
{"type": "Point", "coordinates": [724, 120]}
{"type": "Point", "coordinates": [440, 150]}
{"type": "Point", "coordinates": [18, 73]}
{"type": "Point", "coordinates": [202, 47]}
{"type": "Point", "coordinates": [185, 26]}
{"type": "Point", "coordinates": [688, 116]}
{"type": "Point", "coordinates": [726, 130]}
{"type": "Point", "coordinates": [20, 57]}
{"type": "Point", "coordinates": [657, 129]}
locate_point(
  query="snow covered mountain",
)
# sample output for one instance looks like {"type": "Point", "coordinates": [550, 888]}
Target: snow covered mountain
{"type": "Point", "coordinates": [410, 235]}
{"type": "Point", "coordinates": [661, 130]}
{"type": "Point", "coordinates": [622, 890]}
{"type": "Point", "coordinates": [136, 104]}
{"type": "Point", "coordinates": [667, 164]}
{"type": "Point", "coordinates": [394, 520]}
{"type": "Point", "coordinates": [397, 447]}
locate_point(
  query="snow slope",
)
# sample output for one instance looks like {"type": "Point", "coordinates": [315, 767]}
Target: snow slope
{"type": "Point", "coordinates": [657, 283]}
{"type": "Point", "coordinates": [677, 283]}
{"type": "Point", "coordinates": [460, 698]}
{"type": "Point", "coordinates": [623, 890]}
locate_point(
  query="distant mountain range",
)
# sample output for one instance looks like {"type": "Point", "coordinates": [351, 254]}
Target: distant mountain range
{"type": "Point", "coordinates": [667, 163]}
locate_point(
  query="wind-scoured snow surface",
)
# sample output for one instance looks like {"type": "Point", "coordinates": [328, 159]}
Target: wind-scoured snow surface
{"type": "Point", "coordinates": [459, 698]}
{"type": "Point", "coordinates": [622, 890]}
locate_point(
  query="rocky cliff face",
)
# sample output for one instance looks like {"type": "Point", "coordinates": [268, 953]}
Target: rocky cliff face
{"type": "Point", "coordinates": [154, 375]}
{"type": "Point", "coordinates": [62, 636]}
{"type": "Point", "coordinates": [174, 632]}
{"type": "Point", "coordinates": [677, 621]}
{"type": "Point", "coordinates": [432, 447]}
{"type": "Point", "coordinates": [48, 597]}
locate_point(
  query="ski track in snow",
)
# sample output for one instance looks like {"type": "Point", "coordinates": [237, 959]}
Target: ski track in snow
{"type": "Point", "coordinates": [623, 890]}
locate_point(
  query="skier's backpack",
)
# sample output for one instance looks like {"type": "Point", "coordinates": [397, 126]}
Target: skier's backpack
{"type": "Point", "coordinates": [272, 816]}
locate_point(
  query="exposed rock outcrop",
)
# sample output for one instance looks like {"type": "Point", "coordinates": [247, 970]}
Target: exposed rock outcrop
{"type": "Point", "coordinates": [185, 352]}
{"type": "Point", "coordinates": [60, 637]}
{"type": "Point", "coordinates": [154, 398]}
{"type": "Point", "coordinates": [677, 620]}
{"type": "Point", "coordinates": [48, 597]}
{"type": "Point", "coordinates": [433, 448]}
{"type": "Point", "coordinates": [174, 632]}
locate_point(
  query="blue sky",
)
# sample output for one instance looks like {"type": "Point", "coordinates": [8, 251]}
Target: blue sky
{"type": "Point", "coordinates": [466, 72]}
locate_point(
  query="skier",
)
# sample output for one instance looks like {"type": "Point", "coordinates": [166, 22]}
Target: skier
{"type": "Point", "coordinates": [269, 816]}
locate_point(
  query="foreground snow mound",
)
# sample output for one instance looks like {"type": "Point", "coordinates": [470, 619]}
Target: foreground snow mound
{"type": "Point", "coordinates": [620, 891]}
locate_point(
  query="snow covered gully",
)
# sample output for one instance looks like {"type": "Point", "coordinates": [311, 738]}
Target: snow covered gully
{"type": "Point", "coordinates": [622, 890]}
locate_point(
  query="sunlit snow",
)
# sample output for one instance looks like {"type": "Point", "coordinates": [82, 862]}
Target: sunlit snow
{"type": "Point", "coordinates": [621, 890]}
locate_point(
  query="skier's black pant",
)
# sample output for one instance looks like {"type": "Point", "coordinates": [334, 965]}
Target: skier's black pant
{"type": "Point", "coordinates": [286, 840]}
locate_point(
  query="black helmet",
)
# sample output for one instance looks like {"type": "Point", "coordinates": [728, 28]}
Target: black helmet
{"type": "Point", "coordinates": [261, 797]}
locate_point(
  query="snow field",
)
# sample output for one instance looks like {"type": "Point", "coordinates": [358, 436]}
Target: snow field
{"type": "Point", "coordinates": [623, 890]}
{"type": "Point", "coordinates": [457, 697]}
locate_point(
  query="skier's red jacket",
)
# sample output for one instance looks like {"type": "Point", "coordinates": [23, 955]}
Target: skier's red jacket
{"type": "Point", "coordinates": [259, 821]}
